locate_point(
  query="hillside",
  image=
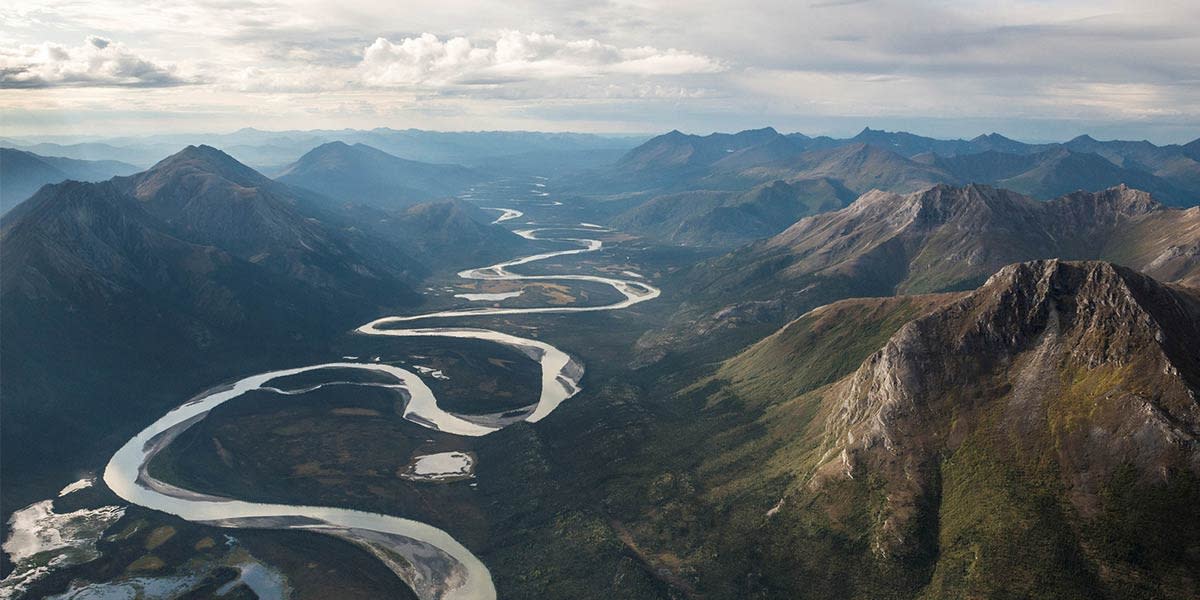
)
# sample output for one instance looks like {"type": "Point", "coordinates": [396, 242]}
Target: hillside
{"type": "Point", "coordinates": [1036, 438]}
{"type": "Point", "coordinates": [361, 174]}
{"type": "Point", "coordinates": [92, 281]}
{"type": "Point", "coordinates": [726, 219]}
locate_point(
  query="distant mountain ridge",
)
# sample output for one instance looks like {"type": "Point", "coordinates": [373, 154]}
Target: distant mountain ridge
{"type": "Point", "coordinates": [724, 218]}
{"type": "Point", "coordinates": [364, 175]}
{"type": "Point", "coordinates": [511, 151]}
{"type": "Point", "coordinates": [23, 173]}
{"type": "Point", "coordinates": [903, 162]}
{"type": "Point", "coordinates": [943, 238]}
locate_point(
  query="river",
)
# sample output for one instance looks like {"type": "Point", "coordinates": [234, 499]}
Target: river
{"type": "Point", "coordinates": [434, 564]}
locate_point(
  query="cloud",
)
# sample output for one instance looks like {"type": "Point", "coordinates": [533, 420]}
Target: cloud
{"type": "Point", "coordinates": [624, 64]}
{"type": "Point", "coordinates": [428, 60]}
{"type": "Point", "coordinates": [98, 62]}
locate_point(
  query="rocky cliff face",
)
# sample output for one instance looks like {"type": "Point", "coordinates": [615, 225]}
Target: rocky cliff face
{"type": "Point", "coordinates": [1088, 366]}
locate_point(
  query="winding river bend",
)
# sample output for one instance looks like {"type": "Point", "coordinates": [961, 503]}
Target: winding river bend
{"type": "Point", "coordinates": [428, 559]}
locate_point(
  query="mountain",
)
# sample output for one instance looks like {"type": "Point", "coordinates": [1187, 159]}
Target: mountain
{"type": "Point", "coordinates": [756, 180]}
{"type": "Point", "coordinates": [1038, 437]}
{"type": "Point", "coordinates": [898, 162]}
{"type": "Point", "coordinates": [676, 151]}
{"type": "Point", "coordinates": [677, 161]}
{"type": "Point", "coordinates": [908, 144]}
{"type": "Point", "coordinates": [1192, 149]}
{"type": "Point", "coordinates": [139, 155]}
{"type": "Point", "coordinates": [940, 239]}
{"type": "Point", "coordinates": [725, 219]}
{"type": "Point", "coordinates": [857, 167]}
{"type": "Point", "coordinates": [108, 316]}
{"type": "Point", "coordinates": [121, 297]}
{"type": "Point", "coordinates": [209, 198]}
{"type": "Point", "coordinates": [1062, 171]}
{"type": "Point", "coordinates": [1081, 163]}
{"type": "Point", "coordinates": [22, 173]}
{"type": "Point", "coordinates": [361, 174]}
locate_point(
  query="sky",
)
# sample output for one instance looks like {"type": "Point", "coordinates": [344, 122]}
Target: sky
{"type": "Point", "coordinates": [1034, 70]}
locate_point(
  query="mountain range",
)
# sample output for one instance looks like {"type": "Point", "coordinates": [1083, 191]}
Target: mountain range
{"type": "Point", "coordinates": [688, 173]}
{"type": "Point", "coordinates": [22, 173]}
{"type": "Point", "coordinates": [943, 238]}
{"type": "Point", "coordinates": [361, 174]}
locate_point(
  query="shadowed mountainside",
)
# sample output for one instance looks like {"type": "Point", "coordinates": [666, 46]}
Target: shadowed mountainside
{"type": "Point", "coordinates": [361, 174]}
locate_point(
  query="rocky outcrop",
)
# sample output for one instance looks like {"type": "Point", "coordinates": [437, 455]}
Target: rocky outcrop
{"type": "Point", "coordinates": [1093, 364]}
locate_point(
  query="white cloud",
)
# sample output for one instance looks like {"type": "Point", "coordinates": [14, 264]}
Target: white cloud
{"type": "Point", "coordinates": [97, 62]}
{"type": "Point", "coordinates": [428, 60]}
{"type": "Point", "coordinates": [644, 64]}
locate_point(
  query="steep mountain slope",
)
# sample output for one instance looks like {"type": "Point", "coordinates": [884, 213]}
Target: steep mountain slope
{"type": "Point", "coordinates": [121, 297]}
{"type": "Point", "coordinates": [107, 314]}
{"type": "Point", "coordinates": [943, 238]}
{"type": "Point", "coordinates": [209, 198]}
{"type": "Point", "coordinates": [22, 173]}
{"type": "Point", "coordinates": [361, 174]}
{"type": "Point", "coordinates": [1192, 149]}
{"type": "Point", "coordinates": [858, 167]}
{"type": "Point", "coordinates": [1039, 437]}
{"type": "Point", "coordinates": [716, 218]}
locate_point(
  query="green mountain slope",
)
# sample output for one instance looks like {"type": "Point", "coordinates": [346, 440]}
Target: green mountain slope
{"type": "Point", "coordinates": [1036, 438]}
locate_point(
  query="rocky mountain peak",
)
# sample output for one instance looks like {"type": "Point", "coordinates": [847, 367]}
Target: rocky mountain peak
{"type": "Point", "coordinates": [1090, 362]}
